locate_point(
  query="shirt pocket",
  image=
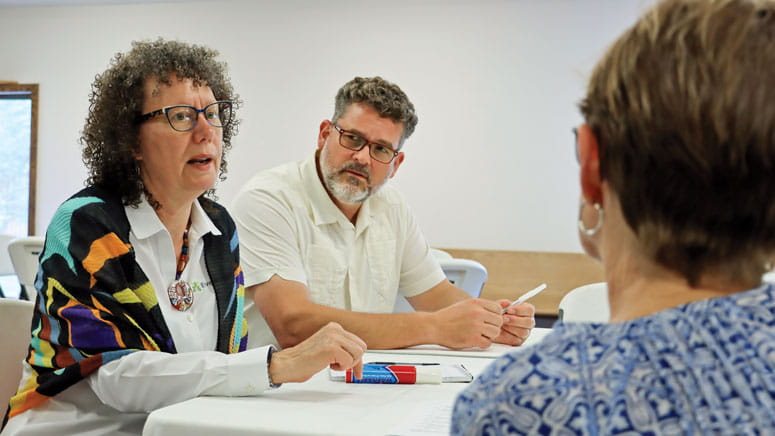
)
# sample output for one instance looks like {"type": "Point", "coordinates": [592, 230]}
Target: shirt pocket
{"type": "Point", "coordinates": [326, 271]}
{"type": "Point", "coordinates": [385, 274]}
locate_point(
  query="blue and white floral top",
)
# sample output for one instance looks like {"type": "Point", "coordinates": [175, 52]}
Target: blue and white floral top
{"type": "Point", "coordinates": [707, 367]}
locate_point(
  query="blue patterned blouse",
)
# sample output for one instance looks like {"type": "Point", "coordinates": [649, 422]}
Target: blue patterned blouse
{"type": "Point", "coordinates": [706, 368]}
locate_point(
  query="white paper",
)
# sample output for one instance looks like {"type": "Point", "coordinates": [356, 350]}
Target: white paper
{"type": "Point", "coordinates": [493, 351]}
{"type": "Point", "coordinates": [429, 418]}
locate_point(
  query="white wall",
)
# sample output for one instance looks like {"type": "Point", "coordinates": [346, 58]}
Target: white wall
{"type": "Point", "coordinates": [495, 84]}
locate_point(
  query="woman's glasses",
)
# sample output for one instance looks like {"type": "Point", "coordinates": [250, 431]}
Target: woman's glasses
{"type": "Point", "coordinates": [183, 118]}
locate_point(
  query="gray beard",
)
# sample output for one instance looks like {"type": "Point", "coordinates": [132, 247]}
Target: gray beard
{"type": "Point", "coordinates": [346, 192]}
{"type": "Point", "coordinates": [338, 182]}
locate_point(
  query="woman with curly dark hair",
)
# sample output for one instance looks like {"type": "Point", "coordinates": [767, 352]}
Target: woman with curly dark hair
{"type": "Point", "coordinates": [139, 292]}
{"type": "Point", "coordinates": [110, 136]}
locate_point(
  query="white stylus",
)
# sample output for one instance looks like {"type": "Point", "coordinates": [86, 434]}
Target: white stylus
{"type": "Point", "coordinates": [529, 294]}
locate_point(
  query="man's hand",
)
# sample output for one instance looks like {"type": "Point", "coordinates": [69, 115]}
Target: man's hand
{"type": "Point", "coordinates": [473, 322]}
{"type": "Point", "coordinates": [517, 323]}
{"type": "Point", "coordinates": [331, 346]}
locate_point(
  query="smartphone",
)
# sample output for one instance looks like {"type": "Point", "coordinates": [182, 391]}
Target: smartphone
{"type": "Point", "coordinates": [455, 373]}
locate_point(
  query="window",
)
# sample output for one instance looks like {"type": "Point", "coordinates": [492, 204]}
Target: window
{"type": "Point", "coordinates": [18, 144]}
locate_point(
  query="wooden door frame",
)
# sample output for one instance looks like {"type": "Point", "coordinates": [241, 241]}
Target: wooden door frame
{"type": "Point", "coordinates": [31, 90]}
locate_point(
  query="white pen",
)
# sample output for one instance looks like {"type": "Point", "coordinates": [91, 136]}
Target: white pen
{"type": "Point", "coordinates": [529, 294]}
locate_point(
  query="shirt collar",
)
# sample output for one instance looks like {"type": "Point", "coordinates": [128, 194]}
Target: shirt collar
{"type": "Point", "coordinates": [201, 224]}
{"type": "Point", "coordinates": [145, 223]}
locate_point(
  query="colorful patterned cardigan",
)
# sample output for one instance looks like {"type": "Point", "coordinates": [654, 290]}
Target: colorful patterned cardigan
{"type": "Point", "coordinates": [95, 304]}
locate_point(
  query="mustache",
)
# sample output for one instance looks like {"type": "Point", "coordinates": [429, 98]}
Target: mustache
{"type": "Point", "coordinates": [354, 166]}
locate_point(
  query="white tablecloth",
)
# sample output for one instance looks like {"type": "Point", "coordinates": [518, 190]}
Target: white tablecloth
{"type": "Point", "coordinates": [324, 407]}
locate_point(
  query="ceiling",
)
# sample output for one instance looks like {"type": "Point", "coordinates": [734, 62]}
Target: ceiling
{"type": "Point", "coordinates": [21, 3]}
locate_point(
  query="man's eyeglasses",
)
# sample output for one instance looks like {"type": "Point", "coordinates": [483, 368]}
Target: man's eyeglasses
{"type": "Point", "coordinates": [184, 118]}
{"type": "Point", "coordinates": [378, 152]}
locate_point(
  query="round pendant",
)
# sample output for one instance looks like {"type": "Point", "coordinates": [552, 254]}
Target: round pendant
{"type": "Point", "coordinates": [181, 295]}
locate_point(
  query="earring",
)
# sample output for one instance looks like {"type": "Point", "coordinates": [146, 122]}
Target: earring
{"type": "Point", "coordinates": [600, 218]}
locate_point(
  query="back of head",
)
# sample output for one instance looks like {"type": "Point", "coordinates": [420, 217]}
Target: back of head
{"type": "Point", "coordinates": [385, 97]}
{"type": "Point", "coordinates": [111, 132]}
{"type": "Point", "coordinates": [682, 108]}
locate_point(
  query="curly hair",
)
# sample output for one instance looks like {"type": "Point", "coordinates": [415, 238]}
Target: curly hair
{"type": "Point", "coordinates": [110, 135]}
{"type": "Point", "coordinates": [386, 97]}
{"type": "Point", "coordinates": [682, 107]}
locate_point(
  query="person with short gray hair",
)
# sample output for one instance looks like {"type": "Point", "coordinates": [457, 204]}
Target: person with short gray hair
{"type": "Point", "coordinates": [677, 163]}
{"type": "Point", "coordinates": [326, 239]}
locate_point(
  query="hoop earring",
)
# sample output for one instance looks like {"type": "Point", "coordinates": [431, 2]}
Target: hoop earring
{"type": "Point", "coordinates": [600, 218]}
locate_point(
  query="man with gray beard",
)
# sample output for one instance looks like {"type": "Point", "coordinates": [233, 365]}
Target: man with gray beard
{"type": "Point", "coordinates": [326, 240]}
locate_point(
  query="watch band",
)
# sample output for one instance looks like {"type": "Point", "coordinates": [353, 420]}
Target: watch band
{"type": "Point", "coordinates": [272, 384]}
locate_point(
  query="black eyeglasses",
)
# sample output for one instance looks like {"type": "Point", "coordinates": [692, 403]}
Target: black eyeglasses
{"type": "Point", "coordinates": [378, 152]}
{"type": "Point", "coordinates": [183, 118]}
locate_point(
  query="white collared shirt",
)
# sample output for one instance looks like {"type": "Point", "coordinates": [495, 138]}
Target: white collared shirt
{"type": "Point", "coordinates": [116, 399]}
{"type": "Point", "coordinates": [195, 329]}
{"type": "Point", "coordinates": [289, 226]}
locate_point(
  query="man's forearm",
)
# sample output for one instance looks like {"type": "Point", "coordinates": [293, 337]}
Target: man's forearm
{"type": "Point", "coordinates": [378, 330]}
{"type": "Point", "coordinates": [446, 316]}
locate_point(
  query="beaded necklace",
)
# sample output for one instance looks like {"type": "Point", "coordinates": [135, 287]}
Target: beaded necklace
{"type": "Point", "coordinates": [180, 292]}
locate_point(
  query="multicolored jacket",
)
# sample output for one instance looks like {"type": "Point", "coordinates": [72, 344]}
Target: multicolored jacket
{"type": "Point", "coordinates": [95, 304]}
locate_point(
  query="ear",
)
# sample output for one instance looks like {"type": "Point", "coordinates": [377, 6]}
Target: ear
{"type": "Point", "coordinates": [325, 130]}
{"type": "Point", "coordinates": [137, 154]}
{"type": "Point", "coordinates": [589, 160]}
{"type": "Point", "coordinates": [397, 163]}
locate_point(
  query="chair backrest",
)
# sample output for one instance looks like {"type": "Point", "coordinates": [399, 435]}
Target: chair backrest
{"type": "Point", "coordinates": [440, 254]}
{"type": "Point", "coordinates": [24, 256]}
{"type": "Point", "coordinates": [468, 275]}
{"type": "Point", "coordinates": [15, 320]}
{"type": "Point", "coordinates": [6, 267]}
{"type": "Point", "coordinates": [588, 303]}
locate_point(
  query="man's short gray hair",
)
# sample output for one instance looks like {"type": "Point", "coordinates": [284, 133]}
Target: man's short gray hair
{"type": "Point", "coordinates": [386, 97]}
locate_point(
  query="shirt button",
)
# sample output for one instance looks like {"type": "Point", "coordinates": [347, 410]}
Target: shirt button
{"type": "Point", "coordinates": [190, 318]}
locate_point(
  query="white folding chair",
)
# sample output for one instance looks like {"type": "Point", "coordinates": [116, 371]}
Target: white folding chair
{"type": "Point", "coordinates": [24, 256]}
{"type": "Point", "coordinates": [15, 320]}
{"type": "Point", "coordinates": [588, 303]}
{"type": "Point", "coordinates": [6, 267]}
{"type": "Point", "coordinates": [468, 275]}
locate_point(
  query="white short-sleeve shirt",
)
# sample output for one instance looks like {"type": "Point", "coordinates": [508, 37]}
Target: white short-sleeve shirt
{"type": "Point", "coordinates": [289, 226]}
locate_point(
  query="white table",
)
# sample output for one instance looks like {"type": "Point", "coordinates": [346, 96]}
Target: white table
{"type": "Point", "coordinates": [321, 406]}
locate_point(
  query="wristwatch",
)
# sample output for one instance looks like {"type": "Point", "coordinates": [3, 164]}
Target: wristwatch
{"type": "Point", "coordinates": [272, 384]}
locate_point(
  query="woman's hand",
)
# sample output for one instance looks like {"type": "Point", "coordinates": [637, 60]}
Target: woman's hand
{"type": "Point", "coordinates": [331, 346]}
